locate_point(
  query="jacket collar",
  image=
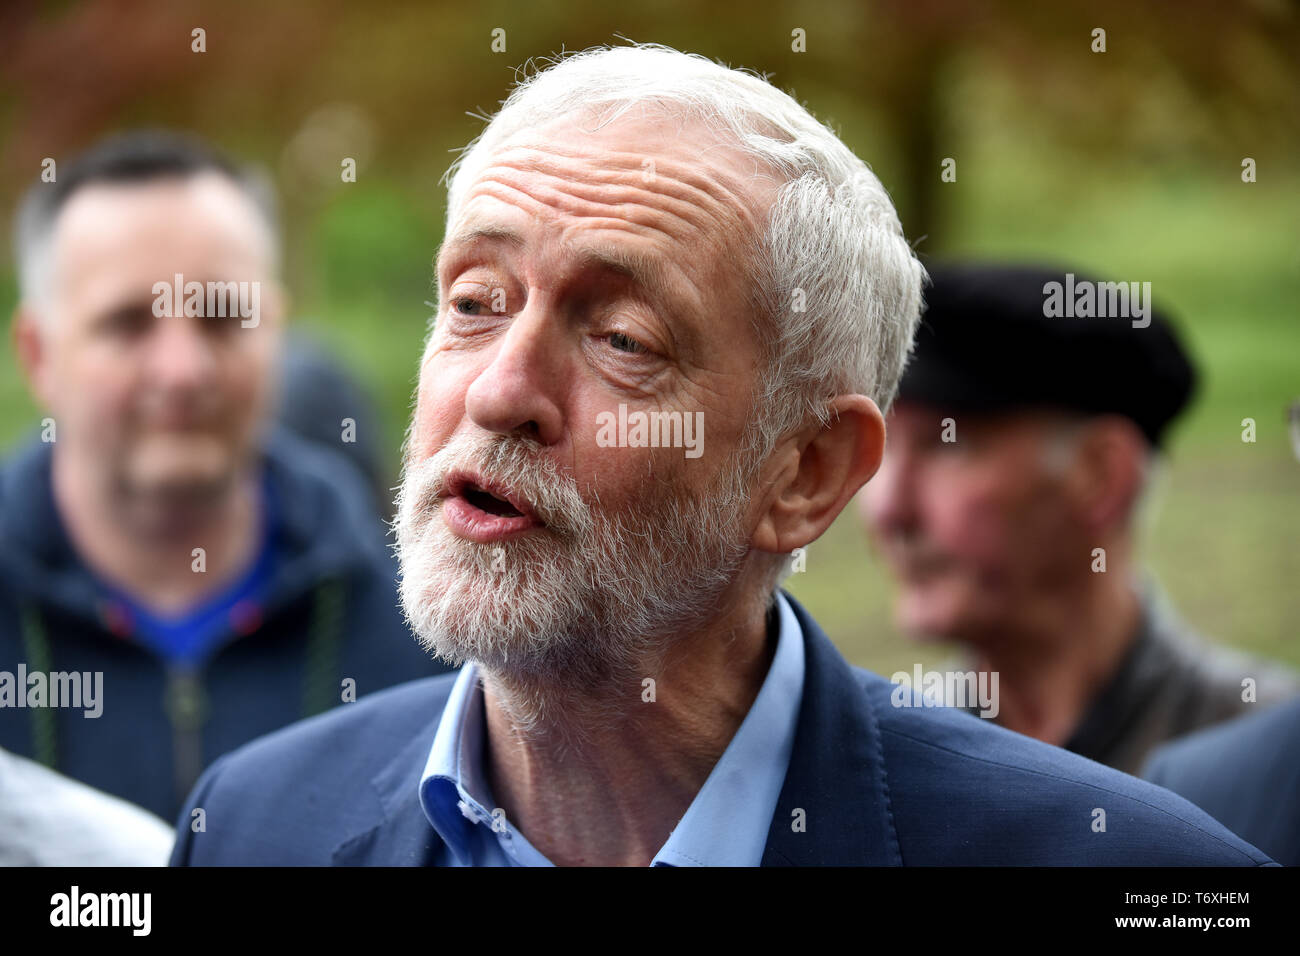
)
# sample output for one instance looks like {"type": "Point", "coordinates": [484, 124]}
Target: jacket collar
{"type": "Point", "coordinates": [393, 830]}
{"type": "Point", "coordinates": [837, 770]}
{"type": "Point", "coordinates": [396, 831]}
{"type": "Point", "coordinates": [836, 776]}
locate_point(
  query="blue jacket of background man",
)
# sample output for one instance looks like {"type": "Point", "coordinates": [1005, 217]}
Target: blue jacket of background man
{"type": "Point", "coordinates": [329, 612]}
{"type": "Point", "coordinates": [877, 784]}
{"type": "Point", "coordinates": [1244, 773]}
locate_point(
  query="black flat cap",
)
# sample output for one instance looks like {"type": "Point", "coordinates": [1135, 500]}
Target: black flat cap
{"type": "Point", "coordinates": [999, 337]}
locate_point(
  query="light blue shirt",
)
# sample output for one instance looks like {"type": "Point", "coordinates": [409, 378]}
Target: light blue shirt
{"type": "Point", "coordinates": [725, 825]}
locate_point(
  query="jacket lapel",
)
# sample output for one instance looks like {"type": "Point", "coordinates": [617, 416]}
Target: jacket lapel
{"type": "Point", "coordinates": [837, 773]}
{"type": "Point", "coordinates": [394, 831]}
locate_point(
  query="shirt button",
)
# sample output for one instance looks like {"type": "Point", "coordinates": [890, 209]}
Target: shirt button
{"type": "Point", "coordinates": [466, 811]}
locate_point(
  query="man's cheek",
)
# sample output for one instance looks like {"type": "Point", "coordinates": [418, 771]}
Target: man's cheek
{"type": "Point", "coordinates": [104, 425]}
{"type": "Point", "coordinates": [250, 394]}
{"type": "Point", "coordinates": [968, 529]}
{"type": "Point", "coordinates": [440, 399]}
{"type": "Point", "coordinates": [97, 392]}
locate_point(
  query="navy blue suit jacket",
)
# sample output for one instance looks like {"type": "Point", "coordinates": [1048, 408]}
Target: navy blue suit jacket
{"type": "Point", "coordinates": [879, 785]}
{"type": "Point", "coordinates": [1244, 773]}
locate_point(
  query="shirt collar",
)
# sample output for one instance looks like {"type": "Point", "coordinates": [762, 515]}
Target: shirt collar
{"type": "Point", "coordinates": [453, 791]}
{"type": "Point", "coordinates": [725, 825]}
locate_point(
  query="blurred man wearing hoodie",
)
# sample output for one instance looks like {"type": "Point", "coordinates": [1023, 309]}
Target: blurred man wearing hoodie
{"type": "Point", "coordinates": [225, 577]}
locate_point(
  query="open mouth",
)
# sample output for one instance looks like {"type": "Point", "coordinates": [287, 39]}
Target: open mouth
{"type": "Point", "coordinates": [486, 510]}
{"type": "Point", "coordinates": [486, 501]}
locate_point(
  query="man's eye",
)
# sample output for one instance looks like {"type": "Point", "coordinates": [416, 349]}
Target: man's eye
{"type": "Point", "coordinates": [467, 306]}
{"type": "Point", "coordinates": [625, 343]}
{"type": "Point", "coordinates": [129, 321]}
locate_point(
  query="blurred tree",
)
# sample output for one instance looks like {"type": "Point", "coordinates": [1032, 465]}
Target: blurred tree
{"type": "Point", "coordinates": [1197, 76]}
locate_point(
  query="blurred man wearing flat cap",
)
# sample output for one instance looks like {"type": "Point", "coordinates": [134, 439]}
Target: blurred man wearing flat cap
{"type": "Point", "coordinates": [1027, 425]}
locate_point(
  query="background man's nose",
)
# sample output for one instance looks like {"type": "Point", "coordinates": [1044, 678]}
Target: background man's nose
{"type": "Point", "coordinates": [181, 353]}
{"type": "Point", "coordinates": [888, 503]}
{"type": "Point", "coordinates": [517, 391]}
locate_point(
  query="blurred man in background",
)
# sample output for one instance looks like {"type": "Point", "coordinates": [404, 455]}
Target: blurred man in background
{"type": "Point", "coordinates": [1026, 430]}
{"type": "Point", "coordinates": [224, 577]}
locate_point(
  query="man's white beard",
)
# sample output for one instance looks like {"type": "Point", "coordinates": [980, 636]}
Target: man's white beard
{"type": "Point", "coordinates": [580, 609]}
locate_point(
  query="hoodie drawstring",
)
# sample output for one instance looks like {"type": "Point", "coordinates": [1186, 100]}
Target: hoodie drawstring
{"type": "Point", "coordinates": [321, 681]}
{"type": "Point", "coordinates": [320, 687]}
{"type": "Point", "coordinates": [44, 725]}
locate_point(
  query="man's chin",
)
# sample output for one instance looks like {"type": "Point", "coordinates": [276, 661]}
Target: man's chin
{"type": "Point", "coordinates": [179, 467]}
{"type": "Point", "coordinates": [169, 508]}
{"type": "Point", "coordinates": [504, 620]}
{"type": "Point", "coordinates": [924, 616]}
{"type": "Point", "coordinates": [531, 609]}
{"type": "Point", "coordinates": [179, 492]}
{"type": "Point", "coordinates": [180, 457]}
{"type": "Point", "coordinates": [171, 498]}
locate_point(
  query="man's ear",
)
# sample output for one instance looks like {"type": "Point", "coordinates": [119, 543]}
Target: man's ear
{"type": "Point", "coordinates": [818, 471]}
{"type": "Point", "coordinates": [1111, 467]}
{"type": "Point", "coordinates": [276, 302]}
{"type": "Point", "coordinates": [28, 337]}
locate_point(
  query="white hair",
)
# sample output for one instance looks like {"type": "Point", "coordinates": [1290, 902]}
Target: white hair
{"type": "Point", "coordinates": [837, 290]}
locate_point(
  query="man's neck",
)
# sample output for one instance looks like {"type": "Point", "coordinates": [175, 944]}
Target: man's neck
{"type": "Point", "coordinates": [154, 561]}
{"type": "Point", "coordinates": [614, 800]}
{"type": "Point", "coordinates": [1051, 668]}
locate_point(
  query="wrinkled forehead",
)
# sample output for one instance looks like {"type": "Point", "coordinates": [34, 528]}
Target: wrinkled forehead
{"type": "Point", "coordinates": [647, 159]}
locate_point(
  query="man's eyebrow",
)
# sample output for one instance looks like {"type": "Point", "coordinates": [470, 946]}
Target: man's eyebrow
{"type": "Point", "coordinates": [640, 269]}
{"type": "Point", "coordinates": [643, 270]}
{"type": "Point", "coordinates": [474, 234]}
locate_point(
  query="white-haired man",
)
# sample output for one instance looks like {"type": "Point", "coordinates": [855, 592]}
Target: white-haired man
{"type": "Point", "coordinates": [672, 306]}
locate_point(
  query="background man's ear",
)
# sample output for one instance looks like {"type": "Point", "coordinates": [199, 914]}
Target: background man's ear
{"type": "Point", "coordinates": [1111, 469]}
{"type": "Point", "coordinates": [28, 336]}
{"type": "Point", "coordinates": [284, 301]}
{"type": "Point", "coordinates": [276, 302]}
{"type": "Point", "coordinates": [822, 468]}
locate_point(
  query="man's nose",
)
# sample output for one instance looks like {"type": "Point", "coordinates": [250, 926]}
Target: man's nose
{"type": "Point", "coordinates": [180, 354]}
{"type": "Point", "coordinates": [517, 392]}
{"type": "Point", "coordinates": [888, 503]}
